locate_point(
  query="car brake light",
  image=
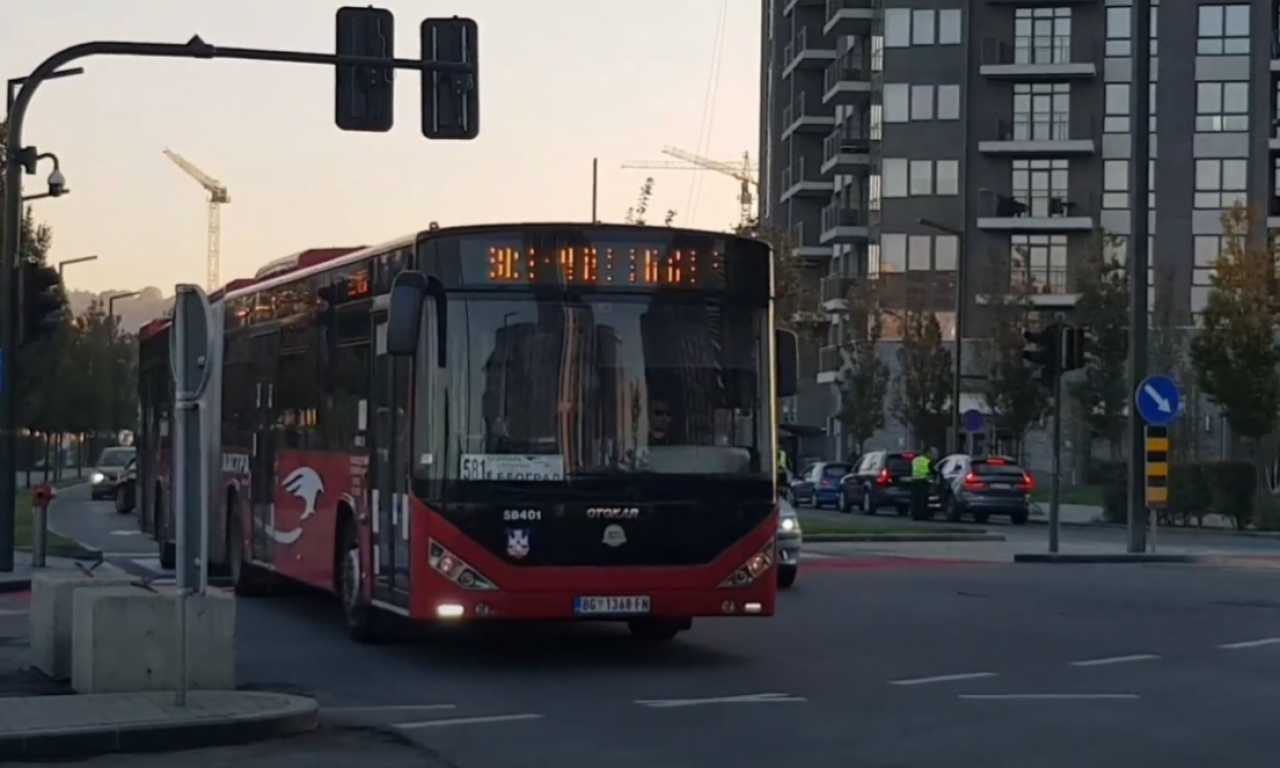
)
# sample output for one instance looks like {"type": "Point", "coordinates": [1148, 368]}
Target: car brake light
{"type": "Point", "coordinates": [908, 456]}
{"type": "Point", "coordinates": [756, 566]}
{"type": "Point", "coordinates": [996, 462]}
{"type": "Point", "coordinates": [1027, 484]}
{"type": "Point", "coordinates": [971, 481]}
{"type": "Point", "coordinates": [884, 478]}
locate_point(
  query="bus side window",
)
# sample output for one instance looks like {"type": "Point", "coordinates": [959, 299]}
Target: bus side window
{"type": "Point", "coordinates": [345, 385]}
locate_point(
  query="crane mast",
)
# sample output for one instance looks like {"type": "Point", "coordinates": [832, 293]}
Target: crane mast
{"type": "Point", "coordinates": [218, 197]}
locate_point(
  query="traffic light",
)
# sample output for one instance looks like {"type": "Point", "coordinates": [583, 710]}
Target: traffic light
{"type": "Point", "coordinates": [365, 95]}
{"type": "Point", "coordinates": [450, 101]}
{"type": "Point", "coordinates": [42, 301]}
{"type": "Point", "coordinates": [1044, 350]}
{"type": "Point", "coordinates": [1075, 349]}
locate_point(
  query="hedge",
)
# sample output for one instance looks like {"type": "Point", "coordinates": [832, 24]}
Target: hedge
{"type": "Point", "coordinates": [1196, 489]}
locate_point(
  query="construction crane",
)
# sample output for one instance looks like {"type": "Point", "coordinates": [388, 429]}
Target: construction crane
{"type": "Point", "coordinates": [218, 197]}
{"type": "Point", "coordinates": [743, 170]}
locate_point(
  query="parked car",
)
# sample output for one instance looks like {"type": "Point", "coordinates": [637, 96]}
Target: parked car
{"type": "Point", "coordinates": [127, 488]}
{"type": "Point", "coordinates": [881, 479]}
{"type": "Point", "coordinates": [985, 486]}
{"type": "Point", "coordinates": [819, 484]}
{"type": "Point", "coordinates": [107, 472]}
{"type": "Point", "coordinates": [790, 540]}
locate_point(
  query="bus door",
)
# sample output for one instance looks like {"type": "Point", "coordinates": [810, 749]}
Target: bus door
{"type": "Point", "coordinates": [262, 459]}
{"type": "Point", "coordinates": [389, 476]}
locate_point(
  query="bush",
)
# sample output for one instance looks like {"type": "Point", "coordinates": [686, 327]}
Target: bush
{"type": "Point", "coordinates": [1196, 489]}
{"type": "Point", "coordinates": [1106, 472]}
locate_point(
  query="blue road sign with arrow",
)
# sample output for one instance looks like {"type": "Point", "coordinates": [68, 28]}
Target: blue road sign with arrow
{"type": "Point", "coordinates": [1158, 400]}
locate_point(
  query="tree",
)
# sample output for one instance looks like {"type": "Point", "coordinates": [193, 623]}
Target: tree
{"type": "Point", "coordinates": [922, 398]}
{"type": "Point", "coordinates": [864, 377]}
{"type": "Point", "coordinates": [1102, 389]}
{"type": "Point", "coordinates": [1014, 395]}
{"type": "Point", "coordinates": [1169, 353]}
{"type": "Point", "coordinates": [638, 213]}
{"type": "Point", "coordinates": [797, 297]}
{"type": "Point", "coordinates": [1235, 355]}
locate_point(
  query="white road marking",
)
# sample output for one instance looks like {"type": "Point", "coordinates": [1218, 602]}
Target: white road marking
{"type": "Point", "coordinates": [389, 708]}
{"type": "Point", "coordinates": [126, 533]}
{"type": "Point", "coordinates": [943, 678]}
{"type": "Point", "coordinates": [815, 556]}
{"type": "Point", "coordinates": [466, 721]}
{"type": "Point", "coordinates": [1115, 660]}
{"type": "Point", "coordinates": [1049, 696]}
{"type": "Point", "coordinates": [751, 698]}
{"type": "Point", "coordinates": [1250, 644]}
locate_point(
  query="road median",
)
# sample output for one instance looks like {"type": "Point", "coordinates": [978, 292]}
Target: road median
{"type": "Point", "coordinates": [822, 530]}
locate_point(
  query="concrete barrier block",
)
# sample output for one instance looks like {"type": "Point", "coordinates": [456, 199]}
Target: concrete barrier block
{"type": "Point", "coordinates": [50, 615]}
{"type": "Point", "coordinates": [128, 640]}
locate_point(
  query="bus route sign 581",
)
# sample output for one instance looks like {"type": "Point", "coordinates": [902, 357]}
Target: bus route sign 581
{"type": "Point", "coordinates": [519, 467]}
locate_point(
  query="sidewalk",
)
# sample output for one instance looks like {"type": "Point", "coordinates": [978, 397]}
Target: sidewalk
{"type": "Point", "coordinates": [81, 726]}
{"type": "Point", "coordinates": [19, 580]}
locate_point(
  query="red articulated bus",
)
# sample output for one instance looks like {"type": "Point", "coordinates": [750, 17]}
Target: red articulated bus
{"type": "Point", "coordinates": [506, 422]}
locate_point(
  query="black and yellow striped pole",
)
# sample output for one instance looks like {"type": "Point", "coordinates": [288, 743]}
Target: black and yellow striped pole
{"type": "Point", "coordinates": [1157, 473]}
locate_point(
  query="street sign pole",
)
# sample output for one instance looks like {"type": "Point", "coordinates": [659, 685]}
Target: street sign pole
{"type": "Point", "coordinates": [1055, 482]}
{"type": "Point", "coordinates": [1156, 466]}
{"type": "Point", "coordinates": [1157, 401]}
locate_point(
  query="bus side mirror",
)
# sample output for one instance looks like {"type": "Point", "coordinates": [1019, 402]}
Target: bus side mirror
{"type": "Point", "coordinates": [786, 360]}
{"type": "Point", "coordinates": [404, 314]}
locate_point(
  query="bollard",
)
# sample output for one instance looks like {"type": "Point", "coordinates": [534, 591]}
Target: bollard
{"type": "Point", "coordinates": [41, 496]}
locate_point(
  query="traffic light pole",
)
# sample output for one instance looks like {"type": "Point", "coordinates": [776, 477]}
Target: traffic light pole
{"type": "Point", "coordinates": [1139, 242]}
{"type": "Point", "coordinates": [9, 245]}
{"type": "Point", "coordinates": [1055, 482]}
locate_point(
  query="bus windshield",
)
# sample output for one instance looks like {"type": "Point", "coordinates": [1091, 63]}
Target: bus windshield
{"type": "Point", "coordinates": [549, 386]}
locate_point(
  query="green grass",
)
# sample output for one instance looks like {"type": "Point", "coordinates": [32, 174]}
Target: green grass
{"type": "Point", "coordinates": [25, 525]}
{"type": "Point", "coordinates": [1088, 495]}
{"type": "Point", "coordinates": [822, 525]}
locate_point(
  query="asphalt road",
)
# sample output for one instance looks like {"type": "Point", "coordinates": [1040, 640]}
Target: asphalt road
{"type": "Point", "coordinates": [96, 524]}
{"type": "Point", "coordinates": [999, 666]}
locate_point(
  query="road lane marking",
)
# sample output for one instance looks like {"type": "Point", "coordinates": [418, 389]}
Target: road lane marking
{"type": "Point", "coordinates": [1048, 696]}
{"type": "Point", "coordinates": [466, 721]}
{"type": "Point", "coordinates": [1115, 660]}
{"type": "Point", "coordinates": [387, 708]}
{"type": "Point", "coordinates": [751, 698]}
{"type": "Point", "coordinates": [126, 532]}
{"type": "Point", "coordinates": [1250, 644]}
{"type": "Point", "coordinates": [943, 678]}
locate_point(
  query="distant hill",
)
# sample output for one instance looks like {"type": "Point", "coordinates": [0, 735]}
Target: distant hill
{"type": "Point", "coordinates": [134, 313]}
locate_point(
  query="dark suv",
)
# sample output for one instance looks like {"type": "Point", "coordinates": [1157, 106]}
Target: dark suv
{"type": "Point", "coordinates": [881, 479]}
{"type": "Point", "coordinates": [985, 486]}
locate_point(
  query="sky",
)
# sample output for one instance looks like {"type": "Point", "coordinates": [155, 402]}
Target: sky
{"type": "Point", "coordinates": [561, 82]}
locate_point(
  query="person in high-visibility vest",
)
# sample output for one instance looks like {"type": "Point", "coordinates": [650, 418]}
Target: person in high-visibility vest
{"type": "Point", "coordinates": [784, 474]}
{"type": "Point", "coordinates": [921, 476]}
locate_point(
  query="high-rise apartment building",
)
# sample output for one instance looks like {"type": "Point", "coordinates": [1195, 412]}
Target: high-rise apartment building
{"type": "Point", "coordinates": [903, 138]}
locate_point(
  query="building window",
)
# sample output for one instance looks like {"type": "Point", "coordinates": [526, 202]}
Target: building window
{"type": "Point", "coordinates": [1222, 107]}
{"type": "Point", "coordinates": [1117, 108]}
{"type": "Point", "coordinates": [1119, 31]}
{"type": "Point", "coordinates": [1038, 263]}
{"type": "Point", "coordinates": [897, 27]}
{"type": "Point", "coordinates": [894, 173]}
{"type": "Point", "coordinates": [923, 30]}
{"type": "Point", "coordinates": [946, 253]}
{"type": "Point", "coordinates": [921, 102]}
{"type": "Point", "coordinates": [1041, 111]}
{"type": "Point", "coordinates": [1220, 184]}
{"type": "Point", "coordinates": [949, 27]}
{"type": "Point", "coordinates": [1115, 184]}
{"type": "Point", "coordinates": [947, 177]}
{"type": "Point", "coordinates": [948, 102]}
{"type": "Point", "coordinates": [1042, 186]}
{"type": "Point", "coordinates": [921, 178]}
{"type": "Point", "coordinates": [893, 253]}
{"type": "Point", "coordinates": [1042, 36]}
{"type": "Point", "coordinates": [1224, 30]}
{"type": "Point", "coordinates": [897, 102]}
{"type": "Point", "coordinates": [919, 253]}
{"type": "Point", "coordinates": [873, 192]}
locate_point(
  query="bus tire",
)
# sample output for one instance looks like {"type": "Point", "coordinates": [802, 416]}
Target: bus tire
{"type": "Point", "coordinates": [246, 579]}
{"type": "Point", "coordinates": [365, 623]}
{"type": "Point", "coordinates": [166, 550]}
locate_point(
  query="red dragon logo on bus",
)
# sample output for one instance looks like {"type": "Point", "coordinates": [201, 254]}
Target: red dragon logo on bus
{"type": "Point", "coordinates": [306, 484]}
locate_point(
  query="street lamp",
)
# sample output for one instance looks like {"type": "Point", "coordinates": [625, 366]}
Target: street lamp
{"type": "Point", "coordinates": [15, 84]}
{"type": "Point", "coordinates": [111, 367]}
{"type": "Point", "coordinates": [961, 300]}
{"type": "Point", "coordinates": [68, 262]}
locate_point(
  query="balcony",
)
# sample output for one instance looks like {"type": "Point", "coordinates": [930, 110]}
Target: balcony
{"type": "Point", "coordinates": [789, 6]}
{"type": "Point", "coordinates": [799, 181]}
{"type": "Point", "coordinates": [1039, 59]}
{"type": "Point", "coordinates": [1037, 211]}
{"type": "Point", "coordinates": [830, 361]}
{"type": "Point", "coordinates": [1041, 287]}
{"type": "Point", "coordinates": [801, 54]}
{"type": "Point", "coordinates": [842, 224]}
{"type": "Point", "coordinates": [847, 80]}
{"type": "Point", "coordinates": [850, 17]}
{"type": "Point", "coordinates": [807, 246]}
{"type": "Point", "coordinates": [833, 291]}
{"type": "Point", "coordinates": [846, 150]}
{"type": "Point", "coordinates": [1039, 135]}
{"type": "Point", "coordinates": [800, 117]}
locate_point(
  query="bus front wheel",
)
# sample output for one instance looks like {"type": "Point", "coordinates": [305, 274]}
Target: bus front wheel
{"type": "Point", "coordinates": [365, 623]}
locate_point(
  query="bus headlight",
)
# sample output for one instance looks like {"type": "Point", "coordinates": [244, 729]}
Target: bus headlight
{"type": "Point", "coordinates": [456, 570]}
{"type": "Point", "coordinates": [756, 566]}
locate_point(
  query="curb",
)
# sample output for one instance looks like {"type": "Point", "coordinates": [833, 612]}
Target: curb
{"type": "Point", "coordinates": [899, 538]}
{"type": "Point", "coordinates": [301, 715]}
{"type": "Point", "coordinates": [1097, 559]}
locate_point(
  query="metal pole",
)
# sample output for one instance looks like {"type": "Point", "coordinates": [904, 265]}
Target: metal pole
{"type": "Point", "coordinates": [595, 189]}
{"type": "Point", "coordinates": [16, 83]}
{"type": "Point", "coordinates": [39, 535]}
{"type": "Point", "coordinates": [961, 303]}
{"type": "Point", "coordinates": [1139, 229]}
{"type": "Point", "coordinates": [62, 265]}
{"type": "Point", "coordinates": [1055, 481]}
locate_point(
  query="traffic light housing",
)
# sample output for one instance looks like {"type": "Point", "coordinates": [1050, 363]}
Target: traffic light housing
{"type": "Point", "coordinates": [43, 300]}
{"type": "Point", "coordinates": [1044, 350]}
{"type": "Point", "coordinates": [365, 99]}
{"type": "Point", "coordinates": [450, 101]}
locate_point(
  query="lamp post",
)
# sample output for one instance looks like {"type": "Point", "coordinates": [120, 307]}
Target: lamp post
{"type": "Point", "coordinates": [961, 302]}
{"type": "Point", "coordinates": [68, 262]}
{"type": "Point", "coordinates": [111, 367]}
{"type": "Point", "coordinates": [15, 84]}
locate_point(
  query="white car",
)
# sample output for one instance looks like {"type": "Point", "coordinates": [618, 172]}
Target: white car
{"type": "Point", "coordinates": [790, 538]}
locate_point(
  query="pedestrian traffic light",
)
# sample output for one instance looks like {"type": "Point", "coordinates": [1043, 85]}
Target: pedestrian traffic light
{"type": "Point", "coordinates": [1045, 352]}
{"type": "Point", "coordinates": [43, 300]}
{"type": "Point", "coordinates": [450, 100]}
{"type": "Point", "coordinates": [1075, 348]}
{"type": "Point", "coordinates": [365, 95]}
